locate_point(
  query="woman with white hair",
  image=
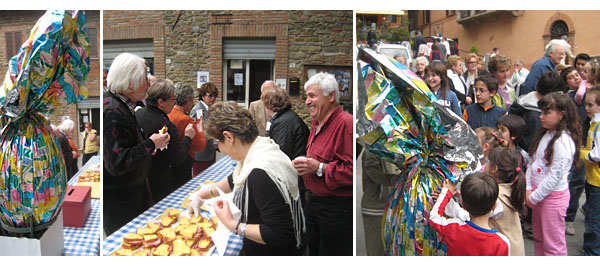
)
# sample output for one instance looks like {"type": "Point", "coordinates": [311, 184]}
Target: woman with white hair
{"type": "Point", "coordinates": [70, 154]}
{"type": "Point", "coordinates": [422, 62]}
{"type": "Point", "coordinates": [126, 152]}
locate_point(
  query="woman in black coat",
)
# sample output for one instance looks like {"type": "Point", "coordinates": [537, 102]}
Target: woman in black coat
{"type": "Point", "coordinates": [285, 127]}
{"type": "Point", "coordinates": [152, 118]}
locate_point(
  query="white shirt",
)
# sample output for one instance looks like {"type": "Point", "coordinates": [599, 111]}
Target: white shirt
{"type": "Point", "coordinates": [553, 177]}
{"type": "Point", "coordinates": [519, 77]}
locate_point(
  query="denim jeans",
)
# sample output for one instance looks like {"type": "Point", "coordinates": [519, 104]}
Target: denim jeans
{"type": "Point", "coordinates": [576, 185]}
{"type": "Point", "coordinates": [591, 237]}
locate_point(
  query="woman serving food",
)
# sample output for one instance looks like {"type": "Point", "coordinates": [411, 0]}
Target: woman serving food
{"type": "Point", "coordinates": [264, 183]}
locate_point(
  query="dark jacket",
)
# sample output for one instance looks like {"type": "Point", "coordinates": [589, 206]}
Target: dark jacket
{"type": "Point", "coordinates": [478, 117]}
{"type": "Point", "coordinates": [289, 132]}
{"type": "Point", "coordinates": [526, 107]}
{"type": "Point", "coordinates": [126, 162]}
{"type": "Point", "coordinates": [538, 68]}
{"type": "Point", "coordinates": [152, 119]}
{"type": "Point", "coordinates": [67, 151]}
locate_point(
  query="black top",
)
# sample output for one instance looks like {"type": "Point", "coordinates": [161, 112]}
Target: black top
{"type": "Point", "coordinates": [126, 153]}
{"type": "Point", "coordinates": [67, 151]}
{"type": "Point", "coordinates": [290, 133]}
{"type": "Point", "coordinates": [267, 208]}
{"type": "Point", "coordinates": [126, 162]}
{"type": "Point", "coordinates": [152, 119]}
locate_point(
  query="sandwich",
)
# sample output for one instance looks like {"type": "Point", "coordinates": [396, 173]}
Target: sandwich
{"type": "Point", "coordinates": [190, 232]}
{"type": "Point", "coordinates": [167, 221]}
{"type": "Point", "coordinates": [132, 241]}
{"type": "Point", "coordinates": [204, 244]}
{"type": "Point", "coordinates": [196, 219]}
{"type": "Point", "coordinates": [163, 130]}
{"type": "Point", "coordinates": [180, 248]}
{"type": "Point", "coordinates": [146, 231]}
{"type": "Point", "coordinates": [142, 252]}
{"type": "Point", "coordinates": [174, 213]}
{"type": "Point", "coordinates": [123, 252]}
{"type": "Point", "coordinates": [153, 226]}
{"type": "Point", "coordinates": [208, 231]}
{"type": "Point", "coordinates": [184, 221]}
{"type": "Point", "coordinates": [151, 241]}
{"type": "Point", "coordinates": [162, 250]}
{"type": "Point", "coordinates": [167, 234]}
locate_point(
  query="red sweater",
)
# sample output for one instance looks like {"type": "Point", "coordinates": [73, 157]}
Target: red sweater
{"type": "Point", "coordinates": [465, 238]}
{"type": "Point", "coordinates": [332, 145]}
{"type": "Point", "coordinates": [181, 120]}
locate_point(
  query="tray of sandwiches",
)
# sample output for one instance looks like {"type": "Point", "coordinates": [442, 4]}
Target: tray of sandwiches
{"type": "Point", "coordinates": [173, 233]}
{"type": "Point", "coordinates": [91, 178]}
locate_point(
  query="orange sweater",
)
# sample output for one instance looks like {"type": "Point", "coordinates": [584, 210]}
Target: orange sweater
{"type": "Point", "coordinates": [181, 120]}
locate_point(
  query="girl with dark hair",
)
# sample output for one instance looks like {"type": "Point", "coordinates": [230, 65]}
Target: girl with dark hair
{"type": "Point", "coordinates": [435, 76]}
{"type": "Point", "coordinates": [555, 150]}
{"type": "Point", "coordinates": [506, 166]}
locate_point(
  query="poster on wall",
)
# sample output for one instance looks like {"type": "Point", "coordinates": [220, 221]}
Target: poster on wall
{"type": "Point", "coordinates": [342, 74]}
{"type": "Point", "coordinates": [281, 83]}
{"type": "Point", "coordinates": [238, 79]}
{"type": "Point", "coordinates": [203, 77]}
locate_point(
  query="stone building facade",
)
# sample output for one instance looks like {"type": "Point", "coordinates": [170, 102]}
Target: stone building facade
{"type": "Point", "coordinates": [185, 42]}
{"type": "Point", "coordinates": [15, 27]}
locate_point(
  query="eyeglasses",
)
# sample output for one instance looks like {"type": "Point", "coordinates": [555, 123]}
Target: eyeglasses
{"type": "Point", "coordinates": [471, 62]}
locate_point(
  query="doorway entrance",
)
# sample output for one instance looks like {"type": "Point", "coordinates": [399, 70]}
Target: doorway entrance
{"type": "Point", "coordinates": [244, 78]}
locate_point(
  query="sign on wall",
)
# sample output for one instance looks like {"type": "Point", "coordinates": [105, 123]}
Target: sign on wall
{"type": "Point", "coordinates": [203, 77]}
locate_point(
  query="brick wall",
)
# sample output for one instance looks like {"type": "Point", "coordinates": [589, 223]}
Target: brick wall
{"type": "Point", "coordinates": [24, 21]}
{"type": "Point", "coordinates": [136, 24]}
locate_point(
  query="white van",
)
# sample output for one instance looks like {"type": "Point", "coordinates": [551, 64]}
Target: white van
{"type": "Point", "coordinates": [392, 50]}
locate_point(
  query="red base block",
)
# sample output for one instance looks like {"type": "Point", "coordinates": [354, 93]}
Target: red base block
{"type": "Point", "coordinates": [77, 205]}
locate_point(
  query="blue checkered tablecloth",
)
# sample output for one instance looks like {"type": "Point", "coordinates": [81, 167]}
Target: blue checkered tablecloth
{"type": "Point", "coordinates": [215, 172]}
{"type": "Point", "coordinates": [84, 241]}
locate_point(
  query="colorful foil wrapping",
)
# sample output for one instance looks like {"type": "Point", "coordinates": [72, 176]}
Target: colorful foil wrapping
{"type": "Point", "coordinates": [51, 67]}
{"type": "Point", "coordinates": [400, 120]}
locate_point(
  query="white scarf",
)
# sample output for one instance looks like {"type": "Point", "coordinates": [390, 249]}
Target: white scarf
{"type": "Point", "coordinates": [264, 154]}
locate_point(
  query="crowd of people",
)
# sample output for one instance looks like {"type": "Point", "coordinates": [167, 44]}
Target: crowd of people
{"type": "Point", "coordinates": [70, 149]}
{"type": "Point", "coordinates": [538, 132]}
{"type": "Point", "coordinates": [292, 184]}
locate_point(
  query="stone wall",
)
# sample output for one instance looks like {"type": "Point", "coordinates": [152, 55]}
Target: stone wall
{"type": "Point", "coordinates": [317, 38]}
{"type": "Point", "coordinates": [187, 44]}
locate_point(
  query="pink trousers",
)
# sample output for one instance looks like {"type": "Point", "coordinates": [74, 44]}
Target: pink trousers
{"type": "Point", "coordinates": [548, 224]}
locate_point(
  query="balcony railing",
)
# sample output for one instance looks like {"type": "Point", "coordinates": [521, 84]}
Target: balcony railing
{"type": "Point", "coordinates": [468, 17]}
